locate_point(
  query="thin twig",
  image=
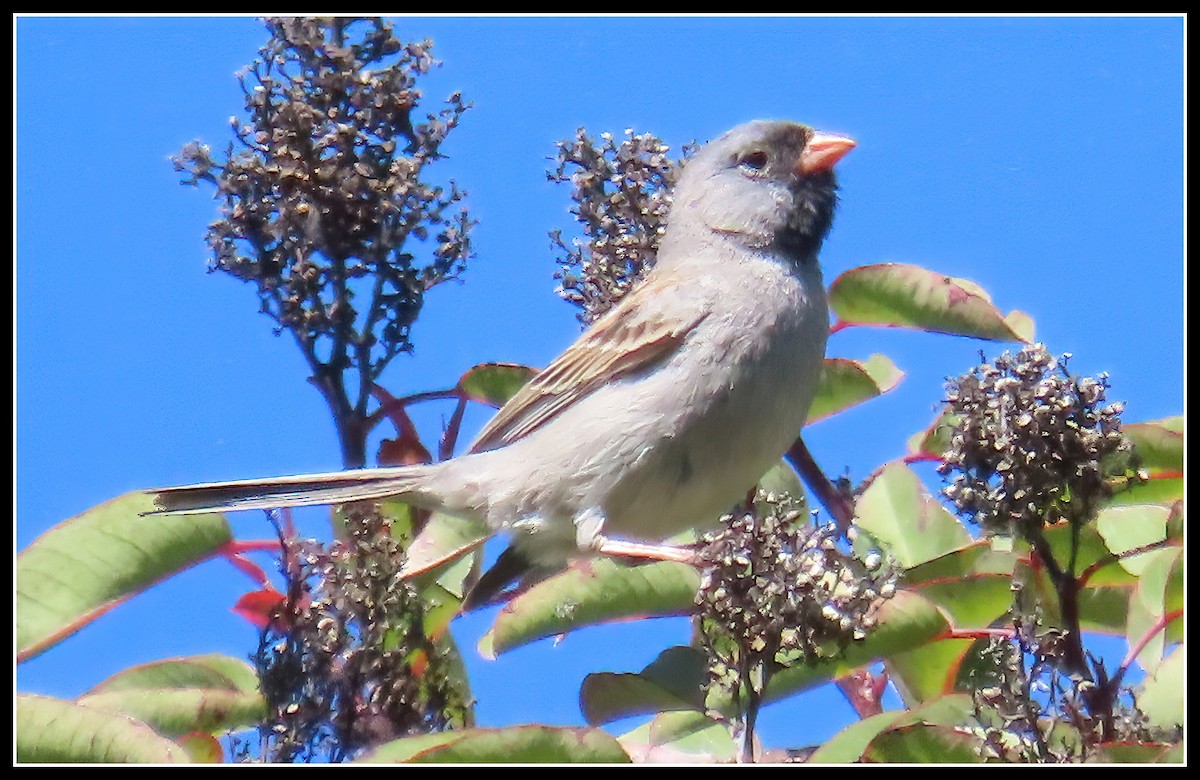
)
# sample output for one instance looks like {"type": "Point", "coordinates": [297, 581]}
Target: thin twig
{"type": "Point", "coordinates": [450, 435]}
{"type": "Point", "coordinates": [1159, 625]}
{"type": "Point", "coordinates": [387, 407]}
{"type": "Point", "coordinates": [835, 501]}
{"type": "Point", "coordinates": [1087, 573]}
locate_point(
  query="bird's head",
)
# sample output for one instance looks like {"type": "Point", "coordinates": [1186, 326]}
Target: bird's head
{"type": "Point", "coordinates": [767, 184]}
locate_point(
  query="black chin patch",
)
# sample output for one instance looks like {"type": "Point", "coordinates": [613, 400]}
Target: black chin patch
{"type": "Point", "coordinates": [815, 199]}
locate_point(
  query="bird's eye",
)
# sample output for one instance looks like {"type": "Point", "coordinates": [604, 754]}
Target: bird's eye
{"type": "Point", "coordinates": [754, 160]}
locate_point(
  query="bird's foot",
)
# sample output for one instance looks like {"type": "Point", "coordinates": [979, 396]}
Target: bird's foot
{"type": "Point", "coordinates": [646, 552]}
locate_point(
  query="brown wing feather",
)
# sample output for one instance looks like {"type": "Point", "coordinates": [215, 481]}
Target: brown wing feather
{"type": "Point", "coordinates": [624, 340]}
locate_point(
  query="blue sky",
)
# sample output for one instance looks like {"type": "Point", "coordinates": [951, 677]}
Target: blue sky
{"type": "Point", "coordinates": [1041, 158]}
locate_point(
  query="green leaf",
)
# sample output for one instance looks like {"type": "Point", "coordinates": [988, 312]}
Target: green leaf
{"type": "Point", "coordinates": [202, 748]}
{"type": "Point", "coordinates": [782, 478]}
{"type": "Point", "coordinates": [601, 590]}
{"type": "Point", "coordinates": [88, 564]}
{"type": "Point", "coordinates": [935, 439]}
{"type": "Point", "coordinates": [213, 671]}
{"type": "Point", "coordinates": [1149, 604]}
{"type": "Point", "coordinates": [444, 540]}
{"type": "Point", "coordinates": [928, 672]}
{"type": "Point", "coordinates": [1172, 754]}
{"type": "Point", "coordinates": [1159, 489]}
{"type": "Point", "coordinates": [1173, 599]}
{"type": "Point", "coordinates": [846, 383]}
{"type": "Point", "coordinates": [1134, 753]}
{"type": "Point", "coordinates": [898, 510]}
{"type": "Point", "coordinates": [848, 745]}
{"type": "Point", "coordinates": [1126, 528]}
{"type": "Point", "coordinates": [673, 681]}
{"type": "Point", "coordinates": [979, 557]}
{"type": "Point", "coordinates": [908, 296]}
{"type": "Point", "coordinates": [1159, 444]}
{"type": "Point", "coordinates": [1161, 697]}
{"type": "Point", "coordinates": [972, 601]}
{"type": "Point", "coordinates": [589, 592]}
{"type": "Point", "coordinates": [55, 731]}
{"type": "Point", "coordinates": [1104, 610]}
{"type": "Point", "coordinates": [680, 737]}
{"type": "Point", "coordinates": [924, 743]}
{"type": "Point", "coordinates": [494, 383]}
{"type": "Point", "coordinates": [511, 745]}
{"type": "Point", "coordinates": [207, 693]}
{"type": "Point", "coordinates": [1091, 552]}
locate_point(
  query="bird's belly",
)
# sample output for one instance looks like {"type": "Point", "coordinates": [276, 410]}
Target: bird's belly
{"type": "Point", "coordinates": [693, 472]}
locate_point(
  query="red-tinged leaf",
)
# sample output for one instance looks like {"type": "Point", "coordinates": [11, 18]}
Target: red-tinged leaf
{"type": "Point", "coordinates": [591, 592]}
{"type": "Point", "coordinates": [897, 509]}
{"type": "Point", "coordinates": [209, 671]}
{"type": "Point", "coordinates": [848, 745]}
{"type": "Point", "coordinates": [1126, 529]}
{"type": "Point", "coordinates": [54, 731]}
{"type": "Point", "coordinates": [1135, 753]}
{"type": "Point", "coordinates": [977, 558]}
{"type": "Point", "coordinates": [1159, 444]}
{"type": "Point", "coordinates": [85, 566]}
{"type": "Point", "coordinates": [260, 607]}
{"type": "Point", "coordinates": [972, 601]}
{"type": "Point", "coordinates": [908, 296]}
{"type": "Point", "coordinates": [510, 745]}
{"type": "Point", "coordinates": [928, 672]}
{"type": "Point", "coordinates": [684, 737]}
{"type": "Point", "coordinates": [924, 743]}
{"type": "Point", "coordinates": [1163, 487]}
{"type": "Point", "coordinates": [419, 663]}
{"type": "Point", "coordinates": [1161, 697]}
{"type": "Point", "coordinates": [1148, 606]}
{"type": "Point", "coordinates": [932, 442]}
{"type": "Point", "coordinates": [176, 696]}
{"type": "Point", "coordinates": [494, 383]}
{"type": "Point", "coordinates": [1091, 551]}
{"type": "Point", "coordinates": [405, 450]}
{"type": "Point", "coordinates": [673, 681]}
{"type": "Point", "coordinates": [846, 383]}
{"type": "Point", "coordinates": [202, 748]}
{"type": "Point", "coordinates": [443, 540]}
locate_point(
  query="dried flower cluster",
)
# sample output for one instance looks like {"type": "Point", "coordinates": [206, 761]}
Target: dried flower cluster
{"type": "Point", "coordinates": [346, 665]}
{"type": "Point", "coordinates": [1028, 711]}
{"type": "Point", "coordinates": [622, 193]}
{"type": "Point", "coordinates": [323, 201]}
{"type": "Point", "coordinates": [777, 590]}
{"type": "Point", "coordinates": [1030, 443]}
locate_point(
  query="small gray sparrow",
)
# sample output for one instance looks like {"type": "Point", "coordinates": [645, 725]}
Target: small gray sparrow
{"type": "Point", "coordinates": [670, 407]}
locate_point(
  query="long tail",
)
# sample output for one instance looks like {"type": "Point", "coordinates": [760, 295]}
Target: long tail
{"type": "Point", "coordinates": [407, 482]}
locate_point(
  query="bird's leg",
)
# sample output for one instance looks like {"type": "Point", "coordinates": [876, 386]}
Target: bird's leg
{"type": "Point", "coordinates": [649, 552]}
{"type": "Point", "coordinates": [588, 536]}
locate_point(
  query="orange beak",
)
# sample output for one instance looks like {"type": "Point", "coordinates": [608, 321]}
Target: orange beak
{"type": "Point", "coordinates": [823, 152]}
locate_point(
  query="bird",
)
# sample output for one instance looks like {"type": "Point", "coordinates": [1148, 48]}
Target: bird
{"type": "Point", "coordinates": [669, 408]}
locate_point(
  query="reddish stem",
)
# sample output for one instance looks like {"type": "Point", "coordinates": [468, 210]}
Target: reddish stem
{"type": "Point", "coordinates": [836, 502]}
{"type": "Point", "coordinates": [390, 406]}
{"type": "Point", "coordinates": [1087, 573]}
{"type": "Point", "coordinates": [1159, 625]}
{"type": "Point", "coordinates": [979, 633]}
{"type": "Point", "coordinates": [450, 436]}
